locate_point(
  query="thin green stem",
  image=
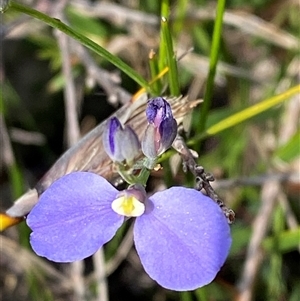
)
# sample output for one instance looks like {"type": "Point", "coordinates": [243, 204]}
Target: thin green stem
{"type": "Point", "coordinates": [171, 58]}
{"type": "Point", "coordinates": [167, 56]}
{"type": "Point", "coordinates": [153, 65]}
{"type": "Point", "coordinates": [164, 13]}
{"type": "Point", "coordinates": [165, 9]}
{"type": "Point", "coordinates": [16, 180]}
{"type": "Point", "coordinates": [181, 12]}
{"type": "Point", "coordinates": [201, 294]}
{"type": "Point", "coordinates": [212, 65]}
{"type": "Point", "coordinates": [186, 296]}
{"type": "Point", "coordinates": [55, 23]}
{"type": "Point", "coordinates": [144, 176]}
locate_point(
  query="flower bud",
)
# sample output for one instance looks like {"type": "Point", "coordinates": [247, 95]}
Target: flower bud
{"type": "Point", "coordinates": [161, 130]}
{"type": "Point", "coordinates": [120, 143]}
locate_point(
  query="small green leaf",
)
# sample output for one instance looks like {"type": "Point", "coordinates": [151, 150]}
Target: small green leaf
{"type": "Point", "coordinates": [240, 239]}
{"type": "Point", "coordinates": [291, 149]}
{"type": "Point", "coordinates": [287, 241]}
{"type": "Point", "coordinates": [58, 81]}
{"type": "Point", "coordinates": [86, 25]}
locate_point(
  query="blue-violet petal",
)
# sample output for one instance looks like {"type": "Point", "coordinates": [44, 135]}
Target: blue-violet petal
{"type": "Point", "coordinates": [168, 132]}
{"type": "Point", "coordinates": [182, 239]}
{"type": "Point", "coordinates": [158, 109]}
{"type": "Point", "coordinates": [128, 143]}
{"type": "Point", "coordinates": [111, 129]}
{"type": "Point", "coordinates": [73, 217]}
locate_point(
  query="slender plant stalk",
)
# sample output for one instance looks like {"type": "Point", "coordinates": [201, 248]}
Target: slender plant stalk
{"type": "Point", "coordinates": [167, 56]}
{"type": "Point", "coordinates": [153, 65]}
{"type": "Point", "coordinates": [164, 12]}
{"type": "Point", "coordinates": [55, 23]}
{"type": "Point", "coordinates": [159, 76]}
{"type": "Point", "coordinates": [181, 12]}
{"type": "Point", "coordinates": [276, 282]}
{"type": "Point", "coordinates": [186, 296]}
{"type": "Point", "coordinates": [165, 9]}
{"type": "Point", "coordinates": [201, 294]}
{"type": "Point", "coordinates": [16, 179]}
{"type": "Point", "coordinates": [171, 58]}
{"type": "Point", "coordinates": [214, 54]}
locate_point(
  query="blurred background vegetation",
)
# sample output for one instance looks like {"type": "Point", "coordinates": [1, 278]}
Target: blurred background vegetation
{"type": "Point", "coordinates": [255, 162]}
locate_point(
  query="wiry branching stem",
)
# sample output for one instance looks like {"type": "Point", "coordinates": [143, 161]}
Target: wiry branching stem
{"type": "Point", "coordinates": [203, 179]}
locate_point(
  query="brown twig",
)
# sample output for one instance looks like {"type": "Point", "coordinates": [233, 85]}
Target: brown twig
{"type": "Point", "coordinates": [245, 22]}
{"type": "Point", "coordinates": [256, 181]}
{"type": "Point", "coordinates": [29, 262]}
{"type": "Point", "coordinates": [76, 269]}
{"type": "Point", "coordinates": [203, 179]}
{"type": "Point", "coordinates": [26, 137]}
{"type": "Point", "coordinates": [271, 192]}
{"type": "Point", "coordinates": [107, 80]}
{"type": "Point", "coordinates": [100, 275]}
{"type": "Point", "coordinates": [72, 125]}
{"type": "Point", "coordinates": [254, 254]}
{"type": "Point", "coordinates": [121, 253]}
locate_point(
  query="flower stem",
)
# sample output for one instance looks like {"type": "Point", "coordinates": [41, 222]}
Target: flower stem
{"type": "Point", "coordinates": [143, 176]}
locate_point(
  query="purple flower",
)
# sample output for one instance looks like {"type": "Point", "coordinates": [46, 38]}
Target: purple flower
{"type": "Point", "coordinates": [180, 235]}
{"type": "Point", "coordinates": [120, 143]}
{"type": "Point", "coordinates": [161, 130]}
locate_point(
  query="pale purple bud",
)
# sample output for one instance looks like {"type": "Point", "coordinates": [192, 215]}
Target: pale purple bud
{"type": "Point", "coordinates": [161, 130]}
{"type": "Point", "coordinates": [120, 143]}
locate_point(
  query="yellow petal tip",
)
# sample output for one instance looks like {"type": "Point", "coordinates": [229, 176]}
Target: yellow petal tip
{"type": "Point", "coordinates": [7, 221]}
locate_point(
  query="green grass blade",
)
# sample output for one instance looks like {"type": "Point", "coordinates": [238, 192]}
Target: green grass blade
{"type": "Point", "coordinates": [16, 180]}
{"type": "Point", "coordinates": [201, 294]}
{"type": "Point", "coordinates": [290, 150]}
{"type": "Point", "coordinates": [165, 9]}
{"type": "Point", "coordinates": [214, 55]}
{"type": "Point", "coordinates": [164, 13]}
{"type": "Point", "coordinates": [55, 23]}
{"type": "Point", "coordinates": [252, 111]}
{"type": "Point", "coordinates": [167, 56]}
{"type": "Point", "coordinates": [181, 13]}
{"type": "Point", "coordinates": [275, 284]}
{"type": "Point", "coordinates": [153, 65]}
{"type": "Point", "coordinates": [186, 296]}
{"type": "Point", "coordinates": [171, 58]}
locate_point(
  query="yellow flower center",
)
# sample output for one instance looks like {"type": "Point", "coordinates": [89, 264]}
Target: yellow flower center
{"type": "Point", "coordinates": [128, 206]}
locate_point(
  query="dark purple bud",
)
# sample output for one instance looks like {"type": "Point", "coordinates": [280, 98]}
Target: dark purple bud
{"type": "Point", "coordinates": [120, 143]}
{"type": "Point", "coordinates": [161, 130]}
